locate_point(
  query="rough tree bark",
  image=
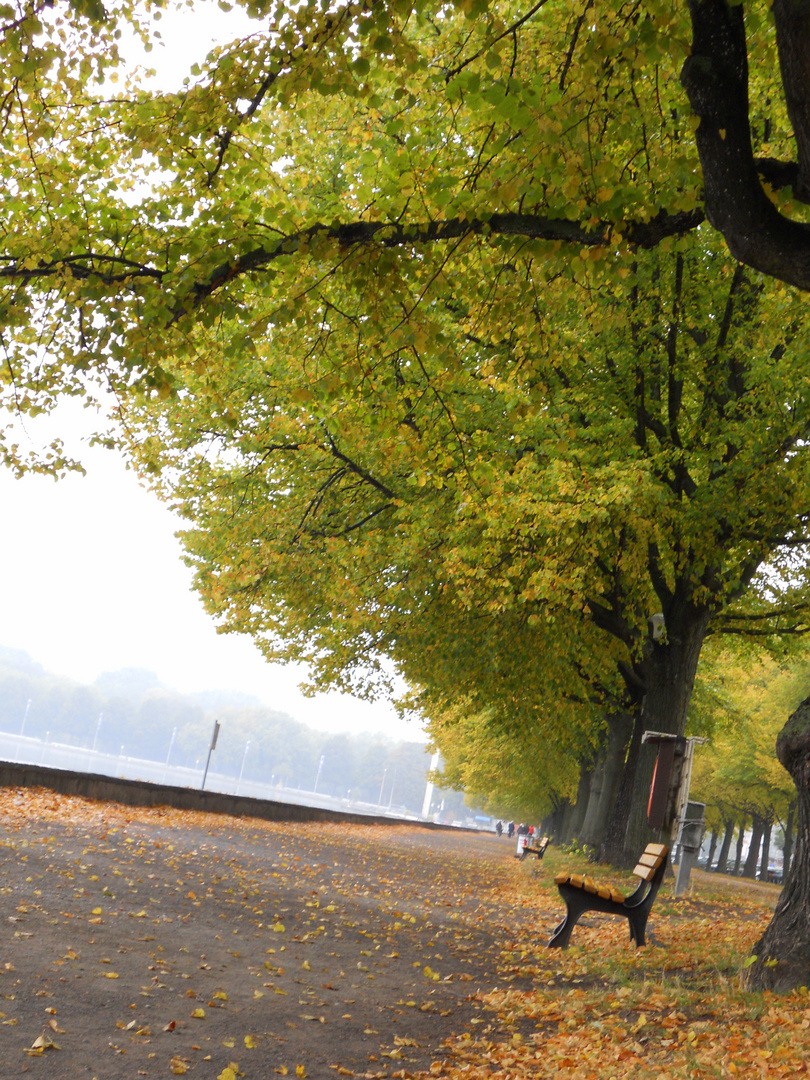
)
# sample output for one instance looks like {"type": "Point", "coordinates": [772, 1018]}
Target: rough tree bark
{"type": "Point", "coordinates": [607, 776]}
{"type": "Point", "coordinates": [766, 851]}
{"type": "Point", "coordinates": [783, 952]}
{"type": "Point", "coordinates": [752, 858]}
{"type": "Point", "coordinates": [715, 77]}
{"type": "Point", "coordinates": [611, 850]}
{"type": "Point", "coordinates": [787, 851]}
{"type": "Point", "coordinates": [740, 839]}
{"type": "Point", "coordinates": [712, 849]}
{"type": "Point", "coordinates": [575, 814]}
{"type": "Point", "coordinates": [725, 847]}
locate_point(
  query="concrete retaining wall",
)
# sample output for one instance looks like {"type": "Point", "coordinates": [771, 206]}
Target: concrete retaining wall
{"type": "Point", "coordinates": [145, 793]}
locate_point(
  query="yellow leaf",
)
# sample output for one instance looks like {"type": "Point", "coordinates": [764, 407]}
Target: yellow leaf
{"type": "Point", "coordinates": [96, 911]}
{"type": "Point", "coordinates": [110, 974]}
{"type": "Point", "coordinates": [306, 966]}
{"type": "Point", "coordinates": [199, 1014]}
{"type": "Point", "coordinates": [278, 928]}
{"type": "Point", "coordinates": [300, 1070]}
{"type": "Point", "coordinates": [250, 1042]}
{"type": "Point", "coordinates": [44, 1042]}
{"type": "Point", "coordinates": [227, 1074]}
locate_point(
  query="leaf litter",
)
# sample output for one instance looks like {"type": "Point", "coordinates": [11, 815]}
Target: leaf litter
{"type": "Point", "coordinates": [368, 951]}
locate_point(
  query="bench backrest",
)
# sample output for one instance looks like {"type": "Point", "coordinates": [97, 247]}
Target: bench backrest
{"type": "Point", "coordinates": [650, 860]}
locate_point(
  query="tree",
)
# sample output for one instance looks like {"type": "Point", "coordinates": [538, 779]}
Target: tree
{"type": "Point", "coordinates": [632, 457]}
{"type": "Point", "coordinates": [419, 255]}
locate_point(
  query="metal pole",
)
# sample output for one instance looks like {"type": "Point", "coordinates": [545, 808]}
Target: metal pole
{"type": "Point", "coordinates": [171, 746]}
{"type": "Point", "coordinates": [687, 858]}
{"type": "Point", "coordinates": [98, 728]}
{"type": "Point", "coordinates": [22, 728]}
{"type": "Point", "coordinates": [239, 781]}
{"type": "Point", "coordinates": [210, 749]}
{"type": "Point", "coordinates": [318, 776]}
{"type": "Point", "coordinates": [382, 785]}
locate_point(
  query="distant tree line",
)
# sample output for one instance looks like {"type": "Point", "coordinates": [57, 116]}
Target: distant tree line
{"type": "Point", "coordinates": [130, 712]}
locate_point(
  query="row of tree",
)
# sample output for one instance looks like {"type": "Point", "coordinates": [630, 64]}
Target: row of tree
{"type": "Point", "coordinates": [740, 702]}
{"type": "Point", "coordinates": [417, 313]}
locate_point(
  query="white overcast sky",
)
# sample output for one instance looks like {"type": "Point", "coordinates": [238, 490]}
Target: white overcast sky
{"type": "Point", "coordinates": [93, 579]}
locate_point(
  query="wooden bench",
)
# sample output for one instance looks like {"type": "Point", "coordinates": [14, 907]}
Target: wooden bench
{"type": "Point", "coordinates": [582, 894]}
{"type": "Point", "coordinates": [538, 849]}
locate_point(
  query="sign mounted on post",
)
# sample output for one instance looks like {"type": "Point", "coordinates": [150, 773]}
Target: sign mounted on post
{"type": "Point", "coordinates": [666, 781]}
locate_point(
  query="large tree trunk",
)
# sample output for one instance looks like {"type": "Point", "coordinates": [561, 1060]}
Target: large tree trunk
{"type": "Point", "coordinates": [725, 847]}
{"type": "Point", "coordinates": [575, 815]}
{"type": "Point", "coordinates": [766, 851]}
{"type": "Point", "coordinates": [752, 858]}
{"type": "Point", "coordinates": [712, 849]}
{"type": "Point", "coordinates": [740, 841]}
{"type": "Point", "coordinates": [669, 669]}
{"type": "Point", "coordinates": [611, 850]}
{"type": "Point", "coordinates": [783, 952]}
{"type": "Point", "coordinates": [607, 775]}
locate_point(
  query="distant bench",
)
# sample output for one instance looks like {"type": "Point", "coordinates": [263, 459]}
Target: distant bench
{"type": "Point", "coordinates": [583, 894]}
{"type": "Point", "coordinates": [529, 848]}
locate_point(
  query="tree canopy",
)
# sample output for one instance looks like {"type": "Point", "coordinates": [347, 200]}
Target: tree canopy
{"type": "Point", "coordinates": [405, 136]}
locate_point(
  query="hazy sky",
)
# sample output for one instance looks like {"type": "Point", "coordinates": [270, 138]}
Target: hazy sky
{"type": "Point", "coordinates": [93, 582]}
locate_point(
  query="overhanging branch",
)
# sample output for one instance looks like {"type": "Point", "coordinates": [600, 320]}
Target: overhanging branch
{"type": "Point", "coordinates": [715, 77]}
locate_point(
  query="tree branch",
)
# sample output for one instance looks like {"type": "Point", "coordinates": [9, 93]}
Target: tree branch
{"type": "Point", "coordinates": [646, 234]}
{"type": "Point", "coordinates": [715, 77]}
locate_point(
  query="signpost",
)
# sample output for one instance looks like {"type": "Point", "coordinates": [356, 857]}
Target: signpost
{"type": "Point", "coordinates": [669, 806]}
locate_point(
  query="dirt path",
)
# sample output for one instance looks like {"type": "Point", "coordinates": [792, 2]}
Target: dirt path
{"type": "Point", "coordinates": [158, 942]}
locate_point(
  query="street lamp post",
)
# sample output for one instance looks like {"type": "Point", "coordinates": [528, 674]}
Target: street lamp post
{"type": "Point", "coordinates": [98, 728]}
{"type": "Point", "coordinates": [382, 785]}
{"type": "Point", "coordinates": [22, 728]}
{"type": "Point", "coordinates": [242, 769]}
{"type": "Point", "coordinates": [171, 747]}
{"type": "Point", "coordinates": [318, 775]}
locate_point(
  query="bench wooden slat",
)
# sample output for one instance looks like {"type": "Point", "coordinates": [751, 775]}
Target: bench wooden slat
{"type": "Point", "coordinates": [649, 860]}
{"type": "Point", "coordinates": [659, 850]}
{"type": "Point", "coordinates": [646, 873]}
